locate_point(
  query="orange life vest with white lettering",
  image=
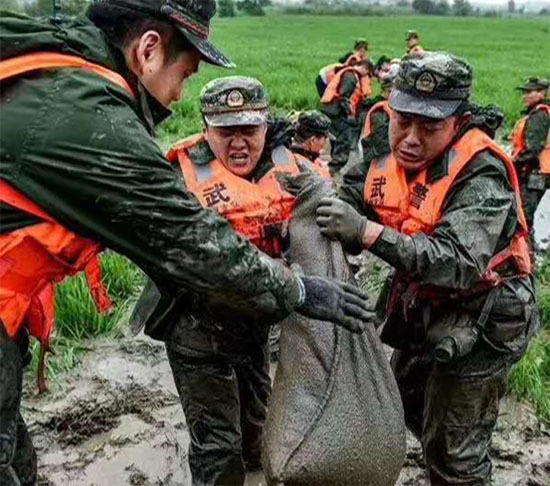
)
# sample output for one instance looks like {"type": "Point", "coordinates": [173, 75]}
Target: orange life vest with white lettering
{"type": "Point", "coordinates": [414, 206]}
{"type": "Point", "coordinates": [377, 108]}
{"type": "Point", "coordinates": [258, 210]}
{"type": "Point", "coordinates": [518, 141]}
{"type": "Point", "coordinates": [35, 258]}
{"type": "Point", "coordinates": [363, 89]}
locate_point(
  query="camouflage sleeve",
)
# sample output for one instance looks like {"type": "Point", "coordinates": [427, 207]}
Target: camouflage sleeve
{"type": "Point", "coordinates": [478, 220]}
{"type": "Point", "coordinates": [98, 171]}
{"type": "Point", "coordinates": [536, 132]}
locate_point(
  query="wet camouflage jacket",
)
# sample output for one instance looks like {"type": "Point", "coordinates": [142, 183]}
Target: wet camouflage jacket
{"type": "Point", "coordinates": [536, 132]}
{"type": "Point", "coordinates": [479, 219]}
{"type": "Point", "coordinates": [342, 107]}
{"type": "Point", "coordinates": [83, 149]}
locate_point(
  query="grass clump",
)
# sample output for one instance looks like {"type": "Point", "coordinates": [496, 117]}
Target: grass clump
{"type": "Point", "coordinates": [77, 318]}
{"type": "Point", "coordinates": [530, 378]}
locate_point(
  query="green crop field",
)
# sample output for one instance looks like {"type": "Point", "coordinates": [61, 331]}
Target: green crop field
{"type": "Point", "coordinates": [286, 53]}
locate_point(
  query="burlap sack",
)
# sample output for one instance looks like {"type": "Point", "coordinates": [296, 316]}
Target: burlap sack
{"type": "Point", "coordinates": [335, 416]}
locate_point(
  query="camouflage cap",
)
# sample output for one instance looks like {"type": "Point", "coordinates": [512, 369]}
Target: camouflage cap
{"type": "Point", "coordinates": [433, 84]}
{"type": "Point", "coordinates": [535, 83]}
{"type": "Point", "coordinates": [311, 123]}
{"type": "Point", "coordinates": [362, 42]}
{"type": "Point", "coordinates": [190, 17]}
{"type": "Point", "coordinates": [234, 101]}
{"type": "Point", "coordinates": [411, 34]}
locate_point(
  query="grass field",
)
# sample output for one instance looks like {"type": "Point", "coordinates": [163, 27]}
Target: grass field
{"type": "Point", "coordinates": [286, 53]}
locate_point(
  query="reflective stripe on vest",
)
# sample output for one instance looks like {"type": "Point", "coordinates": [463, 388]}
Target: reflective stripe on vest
{"type": "Point", "coordinates": [416, 206]}
{"type": "Point", "coordinates": [363, 89]}
{"type": "Point", "coordinates": [256, 210]}
{"type": "Point", "coordinates": [518, 141]}
{"type": "Point", "coordinates": [377, 108]}
{"type": "Point", "coordinates": [34, 258]}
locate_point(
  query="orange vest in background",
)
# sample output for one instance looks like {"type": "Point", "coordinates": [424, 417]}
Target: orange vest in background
{"type": "Point", "coordinates": [35, 258]}
{"type": "Point", "coordinates": [414, 206]}
{"type": "Point", "coordinates": [518, 141]}
{"type": "Point", "coordinates": [258, 210]}
{"type": "Point", "coordinates": [362, 90]}
{"type": "Point", "coordinates": [377, 108]}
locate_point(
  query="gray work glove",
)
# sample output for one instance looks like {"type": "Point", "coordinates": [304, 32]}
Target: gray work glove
{"type": "Point", "coordinates": [330, 300]}
{"type": "Point", "coordinates": [339, 221]}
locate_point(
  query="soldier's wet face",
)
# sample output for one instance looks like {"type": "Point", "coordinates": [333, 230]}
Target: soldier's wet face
{"type": "Point", "coordinates": [533, 97]}
{"type": "Point", "coordinates": [162, 76]}
{"type": "Point", "coordinates": [238, 147]}
{"type": "Point", "coordinates": [417, 141]}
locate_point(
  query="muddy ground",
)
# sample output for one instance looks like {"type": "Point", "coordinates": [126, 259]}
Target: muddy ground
{"type": "Point", "coordinates": [116, 420]}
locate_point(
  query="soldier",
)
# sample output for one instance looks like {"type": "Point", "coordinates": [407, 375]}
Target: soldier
{"type": "Point", "coordinates": [374, 141]}
{"type": "Point", "coordinates": [360, 52]}
{"type": "Point", "coordinates": [220, 359]}
{"type": "Point", "coordinates": [81, 171]}
{"type": "Point", "coordinates": [342, 102]}
{"type": "Point", "coordinates": [413, 43]}
{"type": "Point", "coordinates": [444, 209]}
{"type": "Point", "coordinates": [311, 133]}
{"type": "Point", "coordinates": [531, 147]}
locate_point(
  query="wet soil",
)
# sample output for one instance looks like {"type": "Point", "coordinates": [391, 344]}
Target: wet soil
{"type": "Point", "coordinates": [116, 420]}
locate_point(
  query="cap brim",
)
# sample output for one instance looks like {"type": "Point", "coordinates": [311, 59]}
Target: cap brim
{"type": "Point", "coordinates": [424, 106]}
{"type": "Point", "coordinates": [238, 118]}
{"type": "Point", "coordinates": [207, 50]}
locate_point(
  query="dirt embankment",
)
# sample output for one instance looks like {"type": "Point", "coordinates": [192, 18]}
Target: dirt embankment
{"type": "Point", "coordinates": [117, 421]}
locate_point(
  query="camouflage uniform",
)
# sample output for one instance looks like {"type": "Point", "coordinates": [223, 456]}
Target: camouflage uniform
{"type": "Point", "coordinates": [537, 126]}
{"type": "Point", "coordinates": [310, 123]}
{"type": "Point", "coordinates": [451, 407]}
{"type": "Point", "coordinates": [220, 362]}
{"type": "Point", "coordinates": [345, 126]}
{"type": "Point", "coordinates": [99, 171]}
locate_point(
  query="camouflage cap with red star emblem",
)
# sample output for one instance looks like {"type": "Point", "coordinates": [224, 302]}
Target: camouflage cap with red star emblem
{"type": "Point", "coordinates": [234, 101]}
{"type": "Point", "coordinates": [432, 84]}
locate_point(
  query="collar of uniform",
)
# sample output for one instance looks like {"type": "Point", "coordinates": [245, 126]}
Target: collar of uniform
{"type": "Point", "coordinates": [152, 112]}
{"type": "Point", "coordinates": [439, 169]}
{"type": "Point", "coordinates": [306, 153]}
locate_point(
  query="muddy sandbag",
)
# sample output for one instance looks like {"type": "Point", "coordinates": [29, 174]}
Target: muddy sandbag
{"type": "Point", "coordinates": [335, 415]}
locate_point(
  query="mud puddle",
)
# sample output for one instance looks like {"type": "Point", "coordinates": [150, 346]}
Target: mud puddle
{"type": "Point", "coordinates": [116, 420]}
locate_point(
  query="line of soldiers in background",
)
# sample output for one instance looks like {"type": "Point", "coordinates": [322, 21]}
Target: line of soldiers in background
{"type": "Point", "coordinates": [346, 90]}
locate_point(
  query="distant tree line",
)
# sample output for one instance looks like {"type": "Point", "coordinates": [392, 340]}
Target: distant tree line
{"type": "Point", "coordinates": [461, 8]}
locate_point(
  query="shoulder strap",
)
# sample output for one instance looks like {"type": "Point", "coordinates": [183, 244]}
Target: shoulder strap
{"type": "Point", "coordinates": [16, 66]}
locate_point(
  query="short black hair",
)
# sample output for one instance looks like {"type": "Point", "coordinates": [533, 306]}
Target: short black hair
{"type": "Point", "coordinates": [122, 25]}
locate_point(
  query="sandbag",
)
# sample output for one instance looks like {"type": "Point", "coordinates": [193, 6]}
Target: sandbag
{"type": "Point", "coordinates": [335, 415]}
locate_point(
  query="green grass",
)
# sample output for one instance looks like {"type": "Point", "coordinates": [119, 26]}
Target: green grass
{"type": "Point", "coordinates": [77, 318]}
{"type": "Point", "coordinates": [286, 52]}
{"type": "Point", "coordinates": [530, 378]}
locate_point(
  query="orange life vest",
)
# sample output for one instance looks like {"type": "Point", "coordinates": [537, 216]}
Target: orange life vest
{"type": "Point", "coordinates": [362, 90]}
{"type": "Point", "coordinates": [416, 205]}
{"type": "Point", "coordinates": [518, 141]}
{"type": "Point", "coordinates": [257, 210]}
{"type": "Point", "coordinates": [34, 258]}
{"type": "Point", "coordinates": [377, 108]}
{"type": "Point", "coordinates": [328, 72]}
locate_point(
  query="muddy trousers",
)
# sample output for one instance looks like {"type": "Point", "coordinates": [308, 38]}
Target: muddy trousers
{"type": "Point", "coordinates": [17, 455]}
{"type": "Point", "coordinates": [345, 136]}
{"type": "Point", "coordinates": [452, 416]}
{"type": "Point", "coordinates": [224, 400]}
